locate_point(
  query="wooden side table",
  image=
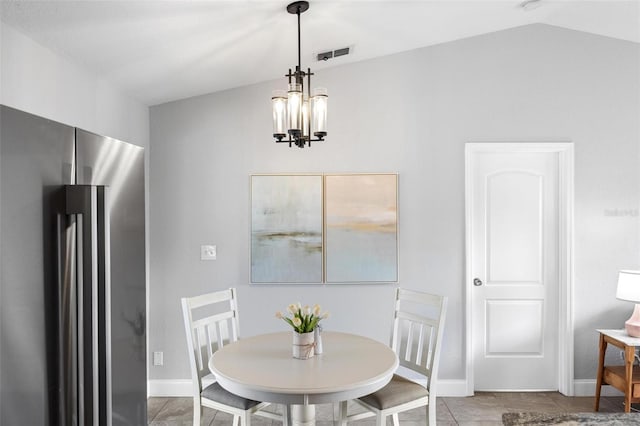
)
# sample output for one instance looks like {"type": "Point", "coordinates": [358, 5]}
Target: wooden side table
{"type": "Point", "coordinates": [621, 377]}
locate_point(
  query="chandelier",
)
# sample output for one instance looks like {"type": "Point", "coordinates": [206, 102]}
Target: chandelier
{"type": "Point", "coordinates": [296, 112]}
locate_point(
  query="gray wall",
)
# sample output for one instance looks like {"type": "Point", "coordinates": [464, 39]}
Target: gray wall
{"type": "Point", "coordinates": [409, 113]}
{"type": "Point", "coordinates": [41, 82]}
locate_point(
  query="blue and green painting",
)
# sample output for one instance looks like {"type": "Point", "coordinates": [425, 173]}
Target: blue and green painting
{"type": "Point", "coordinates": [286, 229]}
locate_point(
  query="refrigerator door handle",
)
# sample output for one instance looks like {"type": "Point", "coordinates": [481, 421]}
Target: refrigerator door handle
{"type": "Point", "coordinates": [67, 317]}
{"type": "Point", "coordinates": [93, 290]}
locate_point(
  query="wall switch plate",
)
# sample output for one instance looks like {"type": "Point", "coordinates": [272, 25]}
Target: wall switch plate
{"type": "Point", "coordinates": [208, 252]}
{"type": "Point", "coordinates": [158, 358]}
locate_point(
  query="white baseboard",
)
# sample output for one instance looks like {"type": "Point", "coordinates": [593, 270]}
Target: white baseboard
{"type": "Point", "coordinates": [183, 388]}
{"type": "Point", "coordinates": [452, 388]}
{"type": "Point", "coordinates": [587, 387]}
{"type": "Point", "coordinates": [177, 387]}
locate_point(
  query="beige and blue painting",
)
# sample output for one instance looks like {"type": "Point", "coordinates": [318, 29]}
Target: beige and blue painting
{"type": "Point", "coordinates": [286, 229]}
{"type": "Point", "coordinates": [361, 228]}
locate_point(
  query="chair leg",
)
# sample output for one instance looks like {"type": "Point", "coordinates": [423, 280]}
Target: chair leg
{"type": "Point", "coordinates": [197, 411]}
{"type": "Point", "coordinates": [245, 419]}
{"type": "Point", "coordinates": [431, 412]}
{"type": "Point", "coordinates": [236, 420]}
{"type": "Point", "coordinates": [381, 420]}
{"type": "Point", "coordinates": [342, 413]}
{"type": "Point", "coordinates": [396, 419]}
{"type": "Point", "coordinates": [286, 415]}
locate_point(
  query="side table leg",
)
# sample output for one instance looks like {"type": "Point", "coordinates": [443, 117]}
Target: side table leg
{"type": "Point", "coordinates": [600, 373]}
{"type": "Point", "coordinates": [629, 355]}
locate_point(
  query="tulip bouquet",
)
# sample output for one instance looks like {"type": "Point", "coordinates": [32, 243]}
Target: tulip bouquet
{"type": "Point", "coordinates": [303, 319]}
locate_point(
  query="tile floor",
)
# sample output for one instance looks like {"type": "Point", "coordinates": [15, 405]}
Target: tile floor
{"type": "Point", "coordinates": [483, 409]}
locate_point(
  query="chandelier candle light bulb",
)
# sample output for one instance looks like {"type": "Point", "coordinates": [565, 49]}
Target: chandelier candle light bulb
{"type": "Point", "coordinates": [279, 104]}
{"type": "Point", "coordinates": [294, 109]}
{"type": "Point", "coordinates": [305, 116]}
{"type": "Point", "coordinates": [319, 109]}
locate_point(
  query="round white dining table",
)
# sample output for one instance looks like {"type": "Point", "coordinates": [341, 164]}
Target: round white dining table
{"type": "Point", "coordinates": [262, 368]}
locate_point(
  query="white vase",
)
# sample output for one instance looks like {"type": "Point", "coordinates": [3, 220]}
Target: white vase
{"type": "Point", "coordinates": [303, 345]}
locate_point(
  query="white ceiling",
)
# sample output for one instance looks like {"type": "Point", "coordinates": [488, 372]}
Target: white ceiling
{"type": "Point", "coordinates": [159, 51]}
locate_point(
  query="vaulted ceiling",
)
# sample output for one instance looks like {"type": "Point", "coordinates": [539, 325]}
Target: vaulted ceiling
{"type": "Point", "coordinates": [159, 51]}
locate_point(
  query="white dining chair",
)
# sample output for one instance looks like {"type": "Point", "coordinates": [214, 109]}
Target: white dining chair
{"type": "Point", "coordinates": [417, 334]}
{"type": "Point", "coordinates": [211, 321]}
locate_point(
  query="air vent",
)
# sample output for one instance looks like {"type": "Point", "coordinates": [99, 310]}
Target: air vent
{"type": "Point", "coordinates": [325, 56]}
{"type": "Point", "coordinates": [341, 52]}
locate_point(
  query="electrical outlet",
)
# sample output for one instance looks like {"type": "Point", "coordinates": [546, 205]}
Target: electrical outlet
{"type": "Point", "coordinates": [207, 252]}
{"type": "Point", "coordinates": [158, 358]}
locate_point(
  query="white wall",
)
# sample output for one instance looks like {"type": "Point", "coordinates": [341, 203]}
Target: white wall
{"type": "Point", "coordinates": [44, 83]}
{"type": "Point", "coordinates": [409, 113]}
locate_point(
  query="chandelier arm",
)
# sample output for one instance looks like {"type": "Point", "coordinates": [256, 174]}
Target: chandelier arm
{"type": "Point", "coordinates": [290, 141]}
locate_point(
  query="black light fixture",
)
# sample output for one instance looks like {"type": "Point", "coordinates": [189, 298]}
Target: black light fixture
{"type": "Point", "coordinates": [296, 112]}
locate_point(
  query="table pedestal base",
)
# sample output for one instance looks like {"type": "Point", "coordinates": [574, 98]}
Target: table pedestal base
{"type": "Point", "coordinates": [303, 415]}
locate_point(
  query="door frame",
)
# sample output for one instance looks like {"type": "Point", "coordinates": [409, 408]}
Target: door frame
{"type": "Point", "coordinates": [565, 152]}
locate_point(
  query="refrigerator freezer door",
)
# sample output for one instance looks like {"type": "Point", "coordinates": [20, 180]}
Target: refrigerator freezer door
{"type": "Point", "coordinates": [120, 166]}
{"type": "Point", "coordinates": [36, 157]}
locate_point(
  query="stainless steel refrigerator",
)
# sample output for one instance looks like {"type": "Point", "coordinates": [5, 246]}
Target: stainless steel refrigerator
{"type": "Point", "coordinates": [72, 276]}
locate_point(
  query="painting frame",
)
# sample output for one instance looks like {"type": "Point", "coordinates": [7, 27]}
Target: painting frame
{"type": "Point", "coordinates": [287, 229]}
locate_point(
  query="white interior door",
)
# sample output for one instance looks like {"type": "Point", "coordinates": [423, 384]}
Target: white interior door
{"type": "Point", "coordinates": [514, 266]}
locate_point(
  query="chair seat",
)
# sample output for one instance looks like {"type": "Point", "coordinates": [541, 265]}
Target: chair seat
{"type": "Point", "coordinates": [397, 392]}
{"type": "Point", "coordinates": [217, 393]}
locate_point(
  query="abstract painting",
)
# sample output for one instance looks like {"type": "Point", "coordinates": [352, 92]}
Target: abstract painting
{"type": "Point", "coordinates": [361, 228]}
{"type": "Point", "coordinates": [286, 228]}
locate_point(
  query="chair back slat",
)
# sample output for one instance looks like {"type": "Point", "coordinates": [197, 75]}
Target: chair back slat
{"type": "Point", "coordinates": [417, 331]}
{"type": "Point", "coordinates": [420, 345]}
{"type": "Point", "coordinates": [409, 341]}
{"type": "Point", "coordinates": [198, 347]}
{"type": "Point", "coordinates": [211, 341]}
{"type": "Point", "coordinates": [210, 331]}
